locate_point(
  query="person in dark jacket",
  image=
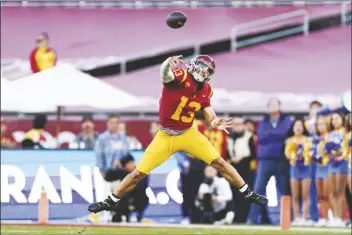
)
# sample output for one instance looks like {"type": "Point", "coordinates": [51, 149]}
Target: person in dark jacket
{"type": "Point", "coordinates": [35, 138]}
{"type": "Point", "coordinates": [137, 200]}
{"type": "Point", "coordinates": [241, 150]}
{"type": "Point", "coordinates": [191, 176]}
{"type": "Point", "coordinates": [272, 132]}
{"type": "Point", "coordinates": [183, 163]}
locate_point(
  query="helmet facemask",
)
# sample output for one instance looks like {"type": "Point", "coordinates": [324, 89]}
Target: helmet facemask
{"type": "Point", "coordinates": [201, 70]}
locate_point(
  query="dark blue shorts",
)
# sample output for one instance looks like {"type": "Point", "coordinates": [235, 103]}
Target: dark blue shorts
{"type": "Point", "coordinates": [301, 172]}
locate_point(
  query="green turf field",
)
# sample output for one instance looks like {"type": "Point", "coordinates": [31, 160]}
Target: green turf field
{"type": "Point", "coordinates": [64, 230]}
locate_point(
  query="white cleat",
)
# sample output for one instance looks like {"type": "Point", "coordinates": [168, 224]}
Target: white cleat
{"type": "Point", "coordinates": [220, 222]}
{"type": "Point", "coordinates": [321, 223]}
{"type": "Point", "coordinates": [337, 223]}
{"type": "Point", "coordinates": [229, 217]}
{"type": "Point", "coordinates": [185, 221]}
{"type": "Point", "coordinates": [297, 222]}
{"type": "Point", "coordinates": [341, 223]}
{"type": "Point", "coordinates": [307, 223]}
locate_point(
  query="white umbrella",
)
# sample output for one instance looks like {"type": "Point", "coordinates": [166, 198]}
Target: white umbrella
{"type": "Point", "coordinates": [66, 86]}
{"type": "Point", "coordinates": [13, 100]}
{"type": "Point", "coordinates": [346, 100]}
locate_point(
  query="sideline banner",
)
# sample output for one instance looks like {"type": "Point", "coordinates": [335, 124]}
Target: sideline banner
{"type": "Point", "coordinates": [72, 182]}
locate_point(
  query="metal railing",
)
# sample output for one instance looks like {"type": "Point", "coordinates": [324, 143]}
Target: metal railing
{"type": "Point", "coordinates": [346, 12]}
{"type": "Point", "coordinates": [161, 3]}
{"type": "Point", "coordinates": [269, 20]}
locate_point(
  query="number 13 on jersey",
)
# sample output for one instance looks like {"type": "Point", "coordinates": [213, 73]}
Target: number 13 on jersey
{"type": "Point", "coordinates": [187, 118]}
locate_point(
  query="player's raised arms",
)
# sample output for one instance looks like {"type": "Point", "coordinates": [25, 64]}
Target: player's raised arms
{"type": "Point", "coordinates": [165, 69]}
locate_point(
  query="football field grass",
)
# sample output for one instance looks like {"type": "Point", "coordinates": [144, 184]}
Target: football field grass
{"type": "Point", "coordinates": [189, 230]}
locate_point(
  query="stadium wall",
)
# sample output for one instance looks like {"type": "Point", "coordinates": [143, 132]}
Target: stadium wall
{"type": "Point", "coordinates": [209, 48]}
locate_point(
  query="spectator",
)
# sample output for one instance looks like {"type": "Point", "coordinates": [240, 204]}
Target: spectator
{"type": "Point", "coordinates": [35, 138]}
{"type": "Point", "coordinates": [311, 122]}
{"type": "Point", "coordinates": [311, 127]}
{"type": "Point", "coordinates": [42, 57]}
{"type": "Point", "coordinates": [87, 137]}
{"type": "Point", "coordinates": [110, 147]}
{"type": "Point", "coordinates": [250, 126]}
{"type": "Point", "coordinates": [323, 184]}
{"type": "Point", "coordinates": [6, 140]}
{"type": "Point", "coordinates": [137, 200]}
{"type": "Point", "coordinates": [134, 143]}
{"type": "Point", "coordinates": [301, 172]}
{"type": "Point", "coordinates": [184, 165]}
{"type": "Point", "coordinates": [241, 150]}
{"type": "Point", "coordinates": [215, 199]}
{"type": "Point", "coordinates": [272, 132]}
{"type": "Point", "coordinates": [338, 168]}
{"type": "Point", "coordinates": [192, 175]}
{"type": "Point", "coordinates": [348, 148]}
{"type": "Point", "coordinates": [348, 152]}
{"type": "Point", "coordinates": [217, 137]}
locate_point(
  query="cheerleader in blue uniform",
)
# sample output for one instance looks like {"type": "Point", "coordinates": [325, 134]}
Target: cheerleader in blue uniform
{"type": "Point", "coordinates": [348, 148]}
{"type": "Point", "coordinates": [338, 167]}
{"type": "Point", "coordinates": [315, 151]}
{"type": "Point", "coordinates": [301, 172]}
{"type": "Point", "coordinates": [347, 145]}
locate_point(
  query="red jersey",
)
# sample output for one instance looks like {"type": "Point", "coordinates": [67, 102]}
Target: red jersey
{"type": "Point", "coordinates": [181, 99]}
{"type": "Point", "coordinates": [42, 59]}
{"type": "Point", "coordinates": [217, 138]}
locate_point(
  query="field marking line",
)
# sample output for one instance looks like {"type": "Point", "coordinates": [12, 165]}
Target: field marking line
{"type": "Point", "coordinates": [178, 226]}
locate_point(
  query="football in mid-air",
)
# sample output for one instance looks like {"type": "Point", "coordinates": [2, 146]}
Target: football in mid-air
{"type": "Point", "coordinates": [176, 19]}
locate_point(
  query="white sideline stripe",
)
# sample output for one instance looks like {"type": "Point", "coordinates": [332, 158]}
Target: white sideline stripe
{"type": "Point", "coordinates": [20, 231]}
{"type": "Point", "coordinates": [203, 227]}
{"type": "Point", "coordinates": [234, 227]}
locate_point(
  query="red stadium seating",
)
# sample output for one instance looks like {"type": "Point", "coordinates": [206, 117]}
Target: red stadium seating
{"type": "Point", "coordinates": [318, 63]}
{"type": "Point", "coordinates": [87, 32]}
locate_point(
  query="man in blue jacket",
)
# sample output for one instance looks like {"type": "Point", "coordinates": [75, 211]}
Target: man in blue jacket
{"type": "Point", "coordinates": [110, 147]}
{"type": "Point", "coordinates": [272, 132]}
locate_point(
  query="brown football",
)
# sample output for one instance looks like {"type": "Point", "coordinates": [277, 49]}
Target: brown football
{"type": "Point", "coordinates": [176, 19]}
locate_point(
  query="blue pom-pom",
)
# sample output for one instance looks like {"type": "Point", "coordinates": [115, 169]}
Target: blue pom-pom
{"type": "Point", "coordinates": [330, 146]}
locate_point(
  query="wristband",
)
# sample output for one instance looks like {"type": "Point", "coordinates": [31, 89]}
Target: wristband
{"type": "Point", "coordinates": [213, 122]}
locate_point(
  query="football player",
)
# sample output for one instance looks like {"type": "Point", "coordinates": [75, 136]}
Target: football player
{"type": "Point", "coordinates": [186, 91]}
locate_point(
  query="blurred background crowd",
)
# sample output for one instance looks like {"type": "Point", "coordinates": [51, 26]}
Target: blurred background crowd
{"type": "Point", "coordinates": [281, 72]}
